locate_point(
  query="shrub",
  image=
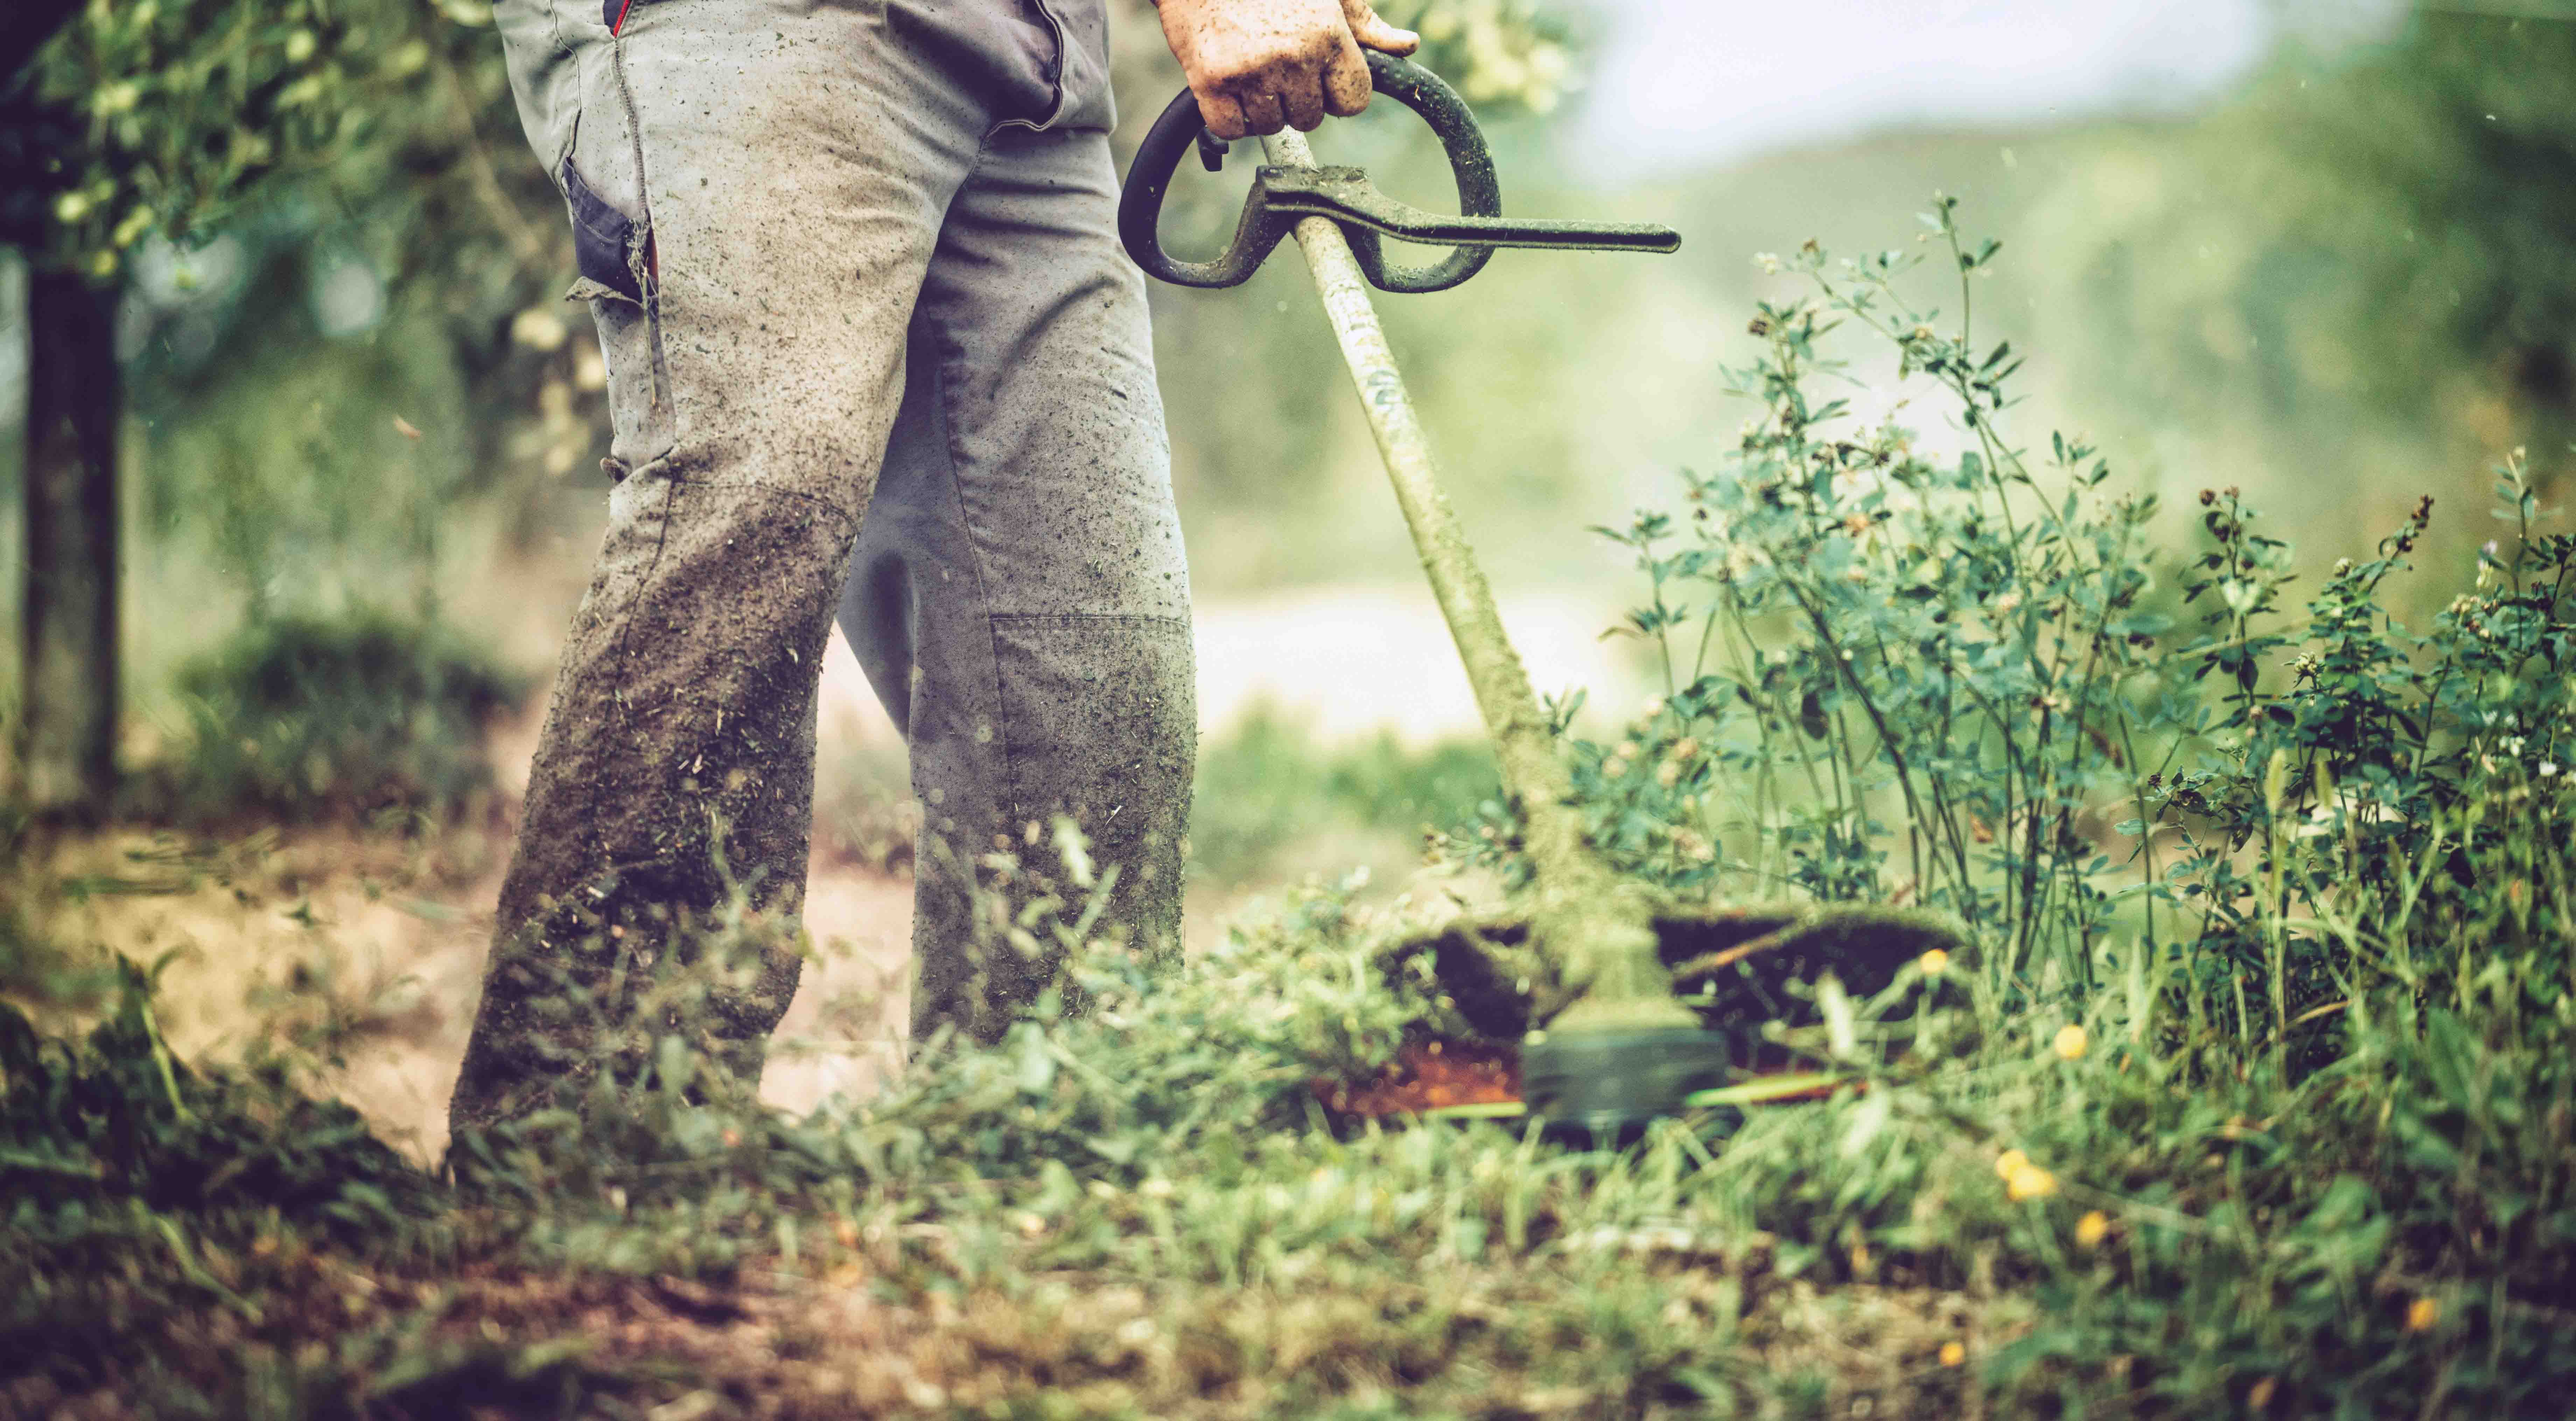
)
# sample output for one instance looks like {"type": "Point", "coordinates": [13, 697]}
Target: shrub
{"type": "Point", "coordinates": [302, 717]}
{"type": "Point", "coordinates": [1974, 680]}
{"type": "Point", "coordinates": [1268, 785]}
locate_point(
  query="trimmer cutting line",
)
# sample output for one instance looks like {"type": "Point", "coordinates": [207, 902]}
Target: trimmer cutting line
{"type": "Point", "coordinates": [1624, 1050]}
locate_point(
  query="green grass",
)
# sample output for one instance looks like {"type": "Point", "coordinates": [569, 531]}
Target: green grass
{"type": "Point", "coordinates": [1146, 1215]}
{"type": "Point", "coordinates": [309, 718]}
{"type": "Point", "coordinates": [1273, 802]}
{"type": "Point", "coordinates": [2252, 1092]}
{"type": "Point", "coordinates": [1271, 794]}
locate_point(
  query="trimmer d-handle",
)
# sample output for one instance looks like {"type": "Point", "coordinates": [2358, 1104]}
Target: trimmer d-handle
{"type": "Point", "coordinates": [1282, 195]}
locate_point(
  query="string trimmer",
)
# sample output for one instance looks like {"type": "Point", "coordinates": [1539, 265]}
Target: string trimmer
{"type": "Point", "coordinates": [1608, 1046]}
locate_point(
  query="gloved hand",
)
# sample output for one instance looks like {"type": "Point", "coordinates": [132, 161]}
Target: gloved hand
{"type": "Point", "coordinates": [1259, 65]}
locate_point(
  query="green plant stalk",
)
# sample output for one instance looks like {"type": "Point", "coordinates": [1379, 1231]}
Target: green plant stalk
{"type": "Point", "coordinates": [1597, 934]}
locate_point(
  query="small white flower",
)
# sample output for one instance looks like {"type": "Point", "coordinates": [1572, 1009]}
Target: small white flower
{"type": "Point", "coordinates": [1767, 262]}
{"type": "Point", "coordinates": [2549, 769]}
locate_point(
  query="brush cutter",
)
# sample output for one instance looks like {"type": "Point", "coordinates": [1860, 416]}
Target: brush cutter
{"type": "Point", "coordinates": [1584, 967]}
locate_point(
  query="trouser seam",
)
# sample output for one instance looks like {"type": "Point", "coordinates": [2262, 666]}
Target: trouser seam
{"type": "Point", "coordinates": [652, 305]}
{"type": "Point", "coordinates": [1085, 618]}
{"type": "Point", "coordinates": [943, 388]}
{"type": "Point", "coordinates": [640, 245]}
{"type": "Point", "coordinates": [643, 584]}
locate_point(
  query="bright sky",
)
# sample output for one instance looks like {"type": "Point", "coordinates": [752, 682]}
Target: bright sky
{"type": "Point", "coordinates": [1710, 81]}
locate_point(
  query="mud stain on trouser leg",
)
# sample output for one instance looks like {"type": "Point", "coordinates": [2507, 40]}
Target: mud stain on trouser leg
{"type": "Point", "coordinates": [1102, 724]}
{"type": "Point", "coordinates": [674, 778]}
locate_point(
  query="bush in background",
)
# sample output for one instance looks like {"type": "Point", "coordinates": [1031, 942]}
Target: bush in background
{"type": "Point", "coordinates": [305, 718]}
{"type": "Point", "coordinates": [1269, 793]}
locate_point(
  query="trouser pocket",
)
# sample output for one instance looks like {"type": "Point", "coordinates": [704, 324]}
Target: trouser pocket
{"type": "Point", "coordinates": [613, 251]}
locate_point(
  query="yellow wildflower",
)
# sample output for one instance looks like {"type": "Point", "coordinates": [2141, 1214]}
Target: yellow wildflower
{"type": "Point", "coordinates": [1933, 963]}
{"type": "Point", "coordinates": [2010, 1163]}
{"type": "Point", "coordinates": [2260, 1395]}
{"type": "Point", "coordinates": [2422, 1314]}
{"type": "Point", "coordinates": [2030, 1182]}
{"type": "Point", "coordinates": [1952, 1354]}
{"type": "Point", "coordinates": [2092, 1228]}
{"type": "Point", "coordinates": [2070, 1042]}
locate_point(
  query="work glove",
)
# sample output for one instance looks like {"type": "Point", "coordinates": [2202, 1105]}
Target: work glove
{"type": "Point", "coordinates": [1260, 65]}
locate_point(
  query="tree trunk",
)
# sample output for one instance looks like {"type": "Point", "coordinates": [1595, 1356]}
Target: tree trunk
{"type": "Point", "coordinates": [68, 685]}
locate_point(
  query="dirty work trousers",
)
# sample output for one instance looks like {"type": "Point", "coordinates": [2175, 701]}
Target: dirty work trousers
{"type": "Point", "coordinates": [873, 349]}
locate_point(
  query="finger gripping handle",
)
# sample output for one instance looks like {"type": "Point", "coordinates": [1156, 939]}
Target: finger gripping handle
{"type": "Point", "coordinates": [1158, 158]}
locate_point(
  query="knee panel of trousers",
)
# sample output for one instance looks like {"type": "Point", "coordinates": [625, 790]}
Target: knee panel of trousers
{"type": "Point", "coordinates": [1099, 722]}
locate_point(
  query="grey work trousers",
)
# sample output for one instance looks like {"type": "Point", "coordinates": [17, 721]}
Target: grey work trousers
{"type": "Point", "coordinates": [873, 349]}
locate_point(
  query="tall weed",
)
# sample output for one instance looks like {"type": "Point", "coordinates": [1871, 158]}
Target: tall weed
{"type": "Point", "coordinates": [1980, 681]}
{"type": "Point", "coordinates": [315, 718]}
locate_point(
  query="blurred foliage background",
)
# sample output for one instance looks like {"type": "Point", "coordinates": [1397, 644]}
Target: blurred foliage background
{"type": "Point", "coordinates": [351, 393]}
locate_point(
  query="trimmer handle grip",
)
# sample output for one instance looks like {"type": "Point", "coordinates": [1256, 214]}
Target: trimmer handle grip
{"type": "Point", "coordinates": [1181, 126]}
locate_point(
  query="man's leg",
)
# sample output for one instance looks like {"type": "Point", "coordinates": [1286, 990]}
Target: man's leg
{"type": "Point", "coordinates": [784, 170]}
{"type": "Point", "coordinates": [1019, 597]}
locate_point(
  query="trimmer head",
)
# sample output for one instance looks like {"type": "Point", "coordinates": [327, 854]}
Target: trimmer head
{"type": "Point", "coordinates": [1610, 1085]}
{"type": "Point", "coordinates": [1734, 968]}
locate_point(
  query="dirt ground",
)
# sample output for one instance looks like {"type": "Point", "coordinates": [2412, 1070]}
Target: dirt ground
{"type": "Point", "coordinates": [379, 944]}
{"type": "Point", "coordinates": [378, 940]}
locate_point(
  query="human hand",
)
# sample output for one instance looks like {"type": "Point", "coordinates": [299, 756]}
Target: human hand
{"type": "Point", "coordinates": [1260, 65]}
